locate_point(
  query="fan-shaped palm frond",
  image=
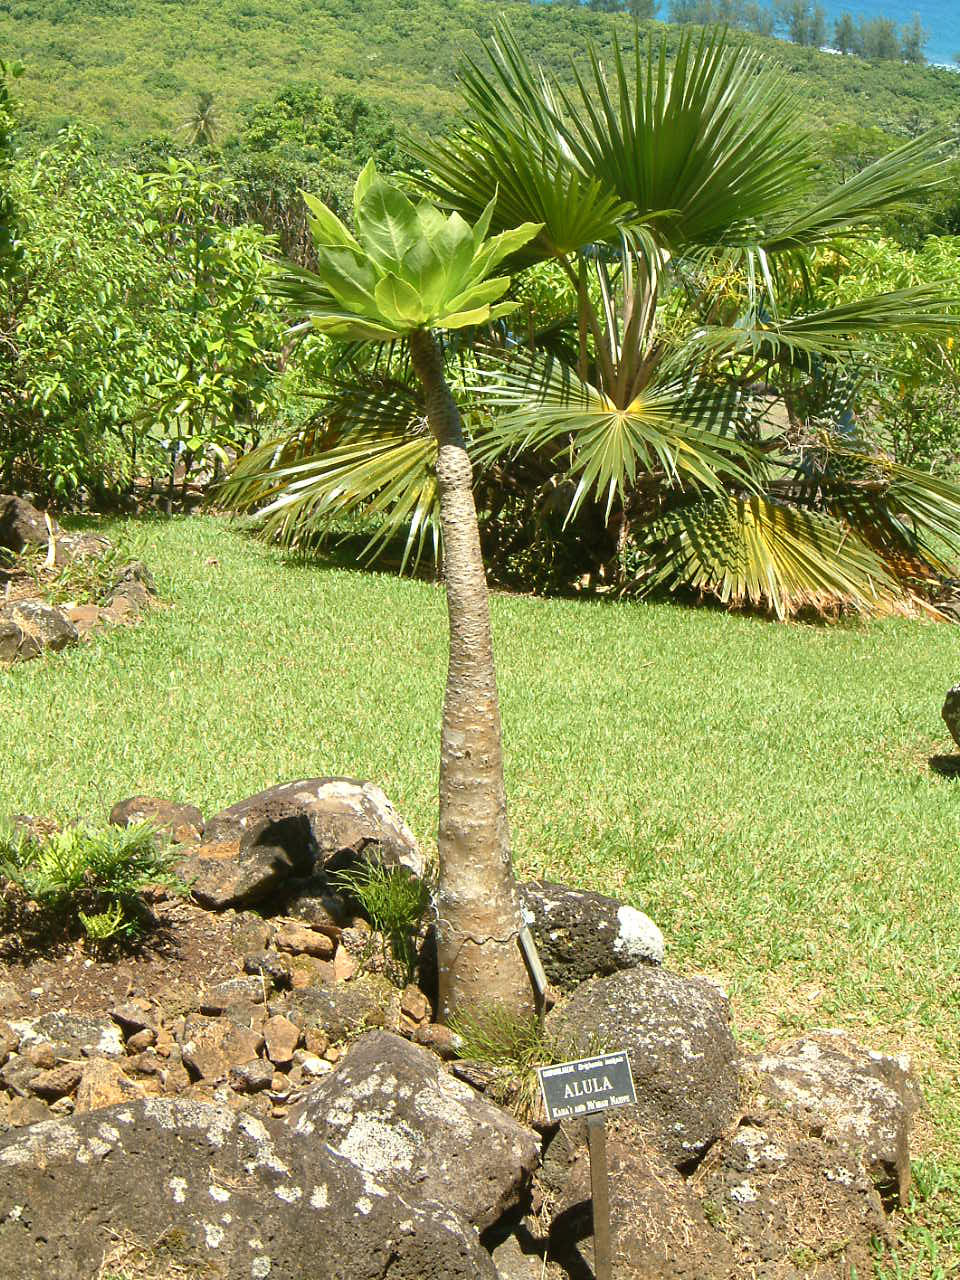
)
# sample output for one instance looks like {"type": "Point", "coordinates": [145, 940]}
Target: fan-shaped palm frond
{"type": "Point", "coordinates": [839, 332]}
{"type": "Point", "coordinates": [701, 151]}
{"type": "Point", "coordinates": [765, 554]}
{"type": "Point", "coordinates": [366, 453]}
{"type": "Point", "coordinates": [676, 426]}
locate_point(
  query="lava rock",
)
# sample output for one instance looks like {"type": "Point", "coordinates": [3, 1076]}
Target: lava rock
{"type": "Point", "coordinates": [682, 1053]}
{"type": "Point", "coordinates": [223, 875]}
{"type": "Point", "coordinates": [865, 1100]}
{"type": "Point", "coordinates": [342, 1010]}
{"type": "Point", "coordinates": [659, 1230]}
{"type": "Point", "coordinates": [72, 1035]}
{"type": "Point", "coordinates": [28, 627]}
{"type": "Point", "coordinates": [183, 823]}
{"type": "Point", "coordinates": [416, 1132]}
{"type": "Point", "coordinates": [583, 935]}
{"type": "Point", "coordinates": [327, 821]}
{"type": "Point", "coordinates": [252, 1196]}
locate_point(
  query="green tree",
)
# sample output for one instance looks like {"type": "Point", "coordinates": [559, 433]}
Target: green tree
{"type": "Point", "coordinates": [846, 37]}
{"type": "Point", "coordinates": [913, 40]}
{"type": "Point", "coordinates": [879, 39]}
{"type": "Point", "coordinates": [410, 273]}
{"type": "Point", "coordinates": [8, 128]}
{"type": "Point", "coordinates": [690, 247]}
{"type": "Point", "coordinates": [202, 127]}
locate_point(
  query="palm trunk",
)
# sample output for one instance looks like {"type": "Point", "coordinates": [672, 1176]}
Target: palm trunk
{"type": "Point", "coordinates": [480, 962]}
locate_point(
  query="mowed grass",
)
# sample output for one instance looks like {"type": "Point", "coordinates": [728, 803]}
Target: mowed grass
{"type": "Point", "coordinates": [764, 792]}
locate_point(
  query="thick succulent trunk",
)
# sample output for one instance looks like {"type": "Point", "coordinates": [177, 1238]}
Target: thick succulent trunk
{"type": "Point", "coordinates": [480, 959]}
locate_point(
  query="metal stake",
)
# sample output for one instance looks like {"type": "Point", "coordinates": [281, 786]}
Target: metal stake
{"type": "Point", "coordinates": [600, 1191]}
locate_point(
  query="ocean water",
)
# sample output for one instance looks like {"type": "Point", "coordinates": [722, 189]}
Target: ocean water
{"type": "Point", "coordinates": [940, 17]}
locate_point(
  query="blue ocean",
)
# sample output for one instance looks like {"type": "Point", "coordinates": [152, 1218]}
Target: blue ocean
{"type": "Point", "coordinates": [940, 17]}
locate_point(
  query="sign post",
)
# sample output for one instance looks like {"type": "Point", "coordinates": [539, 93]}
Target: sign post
{"type": "Point", "coordinates": [589, 1088]}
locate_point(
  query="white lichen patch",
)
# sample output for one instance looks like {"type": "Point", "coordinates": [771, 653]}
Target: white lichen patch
{"type": "Point", "coordinates": [637, 936]}
{"type": "Point", "coordinates": [216, 1123]}
{"type": "Point", "coordinates": [289, 1195]}
{"type": "Point", "coordinates": [373, 1144]}
{"type": "Point", "coordinates": [125, 1117]}
{"type": "Point", "coordinates": [320, 1197]}
{"type": "Point", "coordinates": [213, 1235]}
{"type": "Point", "coordinates": [364, 1205]}
{"type": "Point", "coordinates": [743, 1193]}
{"type": "Point", "coordinates": [178, 1189]}
{"type": "Point", "coordinates": [41, 1143]}
{"type": "Point", "coordinates": [108, 1133]}
{"type": "Point", "coordinates": [15, 1213]}
{"type": "Point", "coordinates": [839, 1174]}
{"type": "Point", "coordinates": [220, 1194]}
{"type": "Point", "coordinates": [260, 1268]}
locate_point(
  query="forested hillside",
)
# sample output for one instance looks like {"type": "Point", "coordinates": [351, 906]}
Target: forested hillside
{"type": "Point", "coordinates": [135, 67]}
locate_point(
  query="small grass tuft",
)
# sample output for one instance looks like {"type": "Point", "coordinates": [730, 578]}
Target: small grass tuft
{"type": "Point", "coordinates": [514, 1048]}
{"type": "Point", "coordinates": [394, 901]}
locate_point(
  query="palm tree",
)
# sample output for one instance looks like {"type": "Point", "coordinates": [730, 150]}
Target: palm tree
{"type": "Point", "coordinates": [701, 399]}
{"type": "Point", "coordinates": [409, 271]}
{"type": "Point", "coordinates": [202, 125]}
{"type": "Point", "coordinates": [653, 180]}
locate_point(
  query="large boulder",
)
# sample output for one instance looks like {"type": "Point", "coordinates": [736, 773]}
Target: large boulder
{"type": "Point", "coordinates": [340, 819]}
{"type": "Point", "coordinates": [28, 627]}
{"type": "Point", "coordinates": [951, 712]}
{"type": "Point", "coordinates": [246, 1198]}
{"type": "Point", "coordinates": [222, 874]}
{"type": "Point", "coordinates": [416, 1132]}
{"type": "Point", "coordinates": [682, 1054]}
{"type": "Point", "coordinates": [792, 1204]}
{"type": "Point", "coordinates": [863, 1100]}
{"type": "Point", "coordinates": [659, 1228]}
{"type": "Point", "coordinates": [583, 935]}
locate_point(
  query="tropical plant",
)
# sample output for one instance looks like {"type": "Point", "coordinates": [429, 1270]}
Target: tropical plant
{"type": "Point", "coordinates": [702, 400]}
{"type": "Point", "coordinates": [687, 212]}
{"type": "Point", "coordinates": [202, 126]}
{"type": "Point", "coordinates": [98, 876]}
{"type": "Point", "coordinates": [408, 272]}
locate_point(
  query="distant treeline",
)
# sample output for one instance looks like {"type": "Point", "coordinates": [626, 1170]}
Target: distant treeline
{"type": "Point", "coordinates": [804, 22]}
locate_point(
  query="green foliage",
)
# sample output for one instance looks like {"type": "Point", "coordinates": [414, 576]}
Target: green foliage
{"type": "Point", "coordinates": [394, 901]}
{"type": "Point", "coordinates": [8, 129]}
{"type": "Point", "coordinates": [96, 876]}
{"type": "Point", "coordinates": [135, 323]}
{"type": "Point", "coordinates": [410, 267]}
{"type": "Point", "coordinates": [515, 1048]}
{"type": "Point", "coordinates": [305, 139]}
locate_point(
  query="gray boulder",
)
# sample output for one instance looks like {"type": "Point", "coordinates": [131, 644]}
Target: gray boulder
{"type": "Point", "coordinates": [70, 1035]}
{"type": "Point", "coordinates": [682, 1053]}
{"type": "Point", "coordinates": [418, 1133]}
{"type": "Point", "coordinates": [659, 1229]}
{"type": "Point", "coordinates": [322, 821]}
{"type": "Point", "coordinates": [951, 712]}
{"type": "Point", "coordinates": [28, 627]}
{"type": "Point", "coordinates": [244, 1198]}
{"type": "Point", "coordinates": [792, 1204]}
{"type": "Point", "coordinates": [583, 935]}
{"type": "Point", "coordinates": [863, 1100]}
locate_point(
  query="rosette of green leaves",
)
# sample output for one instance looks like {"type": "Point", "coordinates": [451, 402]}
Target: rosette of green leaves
{"type": "Point", "coordinates": [409, 266]}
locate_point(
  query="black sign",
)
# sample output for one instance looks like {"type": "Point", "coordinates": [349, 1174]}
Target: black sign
{"type": "Point", "coordinates": [586, 1086]}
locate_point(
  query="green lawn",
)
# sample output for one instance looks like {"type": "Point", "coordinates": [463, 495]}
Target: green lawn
{"type": "Point", "coordinates": [762, 791]}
